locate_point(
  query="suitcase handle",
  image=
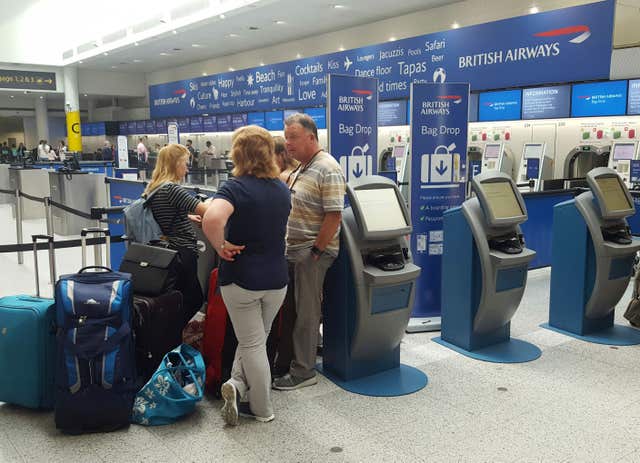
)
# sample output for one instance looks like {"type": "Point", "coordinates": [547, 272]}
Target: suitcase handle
{"type": "Point", "coordinates": [96, 230]}
{"type": "Point", "coordinates": [83, 244]}
{"type": "Point", "coordinates": [94, 267]}
{"type": "Point", "coordinates": [52, 259]}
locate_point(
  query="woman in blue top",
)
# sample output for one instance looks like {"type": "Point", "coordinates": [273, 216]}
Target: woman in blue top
{"type": "Point", "coordinates": [251, 210]}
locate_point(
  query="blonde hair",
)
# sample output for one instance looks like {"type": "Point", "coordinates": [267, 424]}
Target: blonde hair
{"type": "Point", "coordinates": [252, 153]}
{"type": "Point", "coordinates": [166, 169]}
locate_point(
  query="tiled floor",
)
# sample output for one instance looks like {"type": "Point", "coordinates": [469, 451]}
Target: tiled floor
{"type": "Point", "coordinates": [579, 402]}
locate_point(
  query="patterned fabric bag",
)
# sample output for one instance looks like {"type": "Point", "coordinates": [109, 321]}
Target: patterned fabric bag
{"type": "Point", "coordinates": [173, 390]}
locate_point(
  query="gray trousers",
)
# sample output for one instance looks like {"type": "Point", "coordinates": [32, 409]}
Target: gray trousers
{"type": "Point", "coordinates": [309, 279]}
{"type": "Point", "coordinates": [252, 313]}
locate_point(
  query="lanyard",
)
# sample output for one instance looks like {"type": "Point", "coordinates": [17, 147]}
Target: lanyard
{"type": "Point", "coordinates": [300, 170]}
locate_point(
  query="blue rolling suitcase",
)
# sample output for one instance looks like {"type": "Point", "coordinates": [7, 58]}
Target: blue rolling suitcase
{"type": "Point", "coordinates": [96, 373]}
{"type": "Point", "coordinates": [28, 344]}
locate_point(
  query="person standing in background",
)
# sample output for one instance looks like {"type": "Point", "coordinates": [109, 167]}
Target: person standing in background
{"type": "Point", "coordinates": [62, 150]}
{"type": "Point", "coordinates": [107, 151]}
{"type": "Point", "coordinates": [143, 158]}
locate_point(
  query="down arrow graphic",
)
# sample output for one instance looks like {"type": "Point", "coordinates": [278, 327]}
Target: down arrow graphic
{"type": "Point", "coordinates": [441, 169]}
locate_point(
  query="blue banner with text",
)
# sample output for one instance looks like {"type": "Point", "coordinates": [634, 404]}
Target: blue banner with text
{"type": "Point", "coordinates": [353, 124]}
{"type": "Point", "coordinates": [547, 47]}
{"type": "Point", "coordinates": [439, 114]}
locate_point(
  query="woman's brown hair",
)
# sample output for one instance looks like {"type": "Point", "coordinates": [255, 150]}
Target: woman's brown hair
{"type": "Point", "coordinates": [252, 153]}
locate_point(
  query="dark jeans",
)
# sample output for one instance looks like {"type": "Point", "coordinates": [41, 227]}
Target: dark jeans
{"type": "Point", "coordinates": [188, 283]}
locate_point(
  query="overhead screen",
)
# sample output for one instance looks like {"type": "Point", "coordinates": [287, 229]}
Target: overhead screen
{"type": "Point", "coordinates": [256, 119]}
{"type": "Point", "coordinates": [492, 150]}
{"type": "Point", "coordinates": [274, 120]}
{"type": "Point", "coordinates": [500, 106]}
{"type": "Point", "coordinates": [533, 150]}
{"type": "Point", "coordinates": [546, 102]}
{"type": "Point", "coordinates": [623, 151]}
{"type": "Point", "coordinates": [613, 195]}
{"type": "Point", "coordinates": [392, 113]}
{"type": "Point", "coordinates": [381, 210]}
{"type": "Point", "coordinates": [633, 103]}
{"type": "Point", "coordinates": [599, 99]}
{"type": "Point", "coordinates": [319, 116]}
{"type": "Point", "coordinates": [501, 199]}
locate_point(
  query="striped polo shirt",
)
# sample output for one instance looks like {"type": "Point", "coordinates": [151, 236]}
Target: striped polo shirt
{"type": "Point", "coordinates": [170, 206]}
{"type": "Point", "coordinates": [316, 189]}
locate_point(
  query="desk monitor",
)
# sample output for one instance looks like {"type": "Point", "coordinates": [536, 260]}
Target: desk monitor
{"type": "Point", "coordinates": [500, 199]}
{"type": "Point", "coordinates": [533, 150]}
{"type": "Point", "coordinates": [612, 196]}
{"type": "Point", "coordinates": [623, 151]}
{"type": "Point", "coordinates": [399, 151]}
{"type": "Point", "coordinates": [492, 150]}
{"type": "Point", "coordinates": [378, 208]}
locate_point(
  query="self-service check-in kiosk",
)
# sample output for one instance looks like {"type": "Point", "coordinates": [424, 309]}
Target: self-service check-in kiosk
{"type": "Point", "coordinates": [582, 159]}
{"type": "Point", "coordinates": [369, 293]}
{"type": "Point", "coordinates": [495, 157]}
{"type": "Point", "coordinates": [535, 166]}
{"type": "Point", "coordinates": [592, 261]}
{"type": "Point", "coordinates": [622, 153]}
{"type": "Point", "coordinates": [484, 272]}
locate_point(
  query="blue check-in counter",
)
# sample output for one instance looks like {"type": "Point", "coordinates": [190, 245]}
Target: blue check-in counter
{"type": "Point", "coordinates": [97, 167]}
{"type": "Point", "coordinates": [123, 192]}
{"type": "Point", "coordinates": [538, 229]}
{"type": "Point", "coordinates": [634, 220]}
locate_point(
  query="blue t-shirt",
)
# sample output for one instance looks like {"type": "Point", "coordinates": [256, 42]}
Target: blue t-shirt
{"type": "Point", "coordinates": [259, 222]}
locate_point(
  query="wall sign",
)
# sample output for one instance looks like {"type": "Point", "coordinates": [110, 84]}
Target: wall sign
{"type": "Point", "coordinates": [27, 80]}
{"type": "Point", "coordinates": [546, 47]}
{"type": "Point", "coordinates": [439, 115]}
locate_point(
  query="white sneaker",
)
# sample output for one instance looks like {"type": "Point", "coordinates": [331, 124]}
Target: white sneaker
{"type": "Point", "coordinates": [229, 410]}
{"type": "Point", "coordinates": [245, 411]}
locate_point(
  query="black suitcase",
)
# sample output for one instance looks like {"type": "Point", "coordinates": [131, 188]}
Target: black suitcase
{"type": "Point", "coordinates": [157, 324]}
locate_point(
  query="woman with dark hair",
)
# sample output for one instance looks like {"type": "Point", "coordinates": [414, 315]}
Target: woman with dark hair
{"type": "Point", "coordinates": [285, 162]}
{"type": "Point", "coordinates": [252, 209]}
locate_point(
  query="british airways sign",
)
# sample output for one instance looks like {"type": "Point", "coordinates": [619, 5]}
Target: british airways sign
{"type": "Point", "coordinates": [567, 45]}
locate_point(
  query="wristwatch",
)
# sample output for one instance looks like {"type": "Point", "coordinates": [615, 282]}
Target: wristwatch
{"type": "Point", "coordinates": [316, 252]}
{"type": "Point", "coordinates": [222, 245]}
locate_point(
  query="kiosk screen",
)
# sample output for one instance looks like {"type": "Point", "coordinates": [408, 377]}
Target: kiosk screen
{"type": "Point", "coordinates": [532, 151]}
{"type": "Point", "coordinates": [623, 151]}
{"type": "Point", "coordinates": [501, 199]}
{"type": "Point", "coordinates": [380, 209]}
{"type": "Point", "coordinates": [398, 151]}
{"type": "Point", "coordinates": [492, 150]}
{"type": "Point", "coordinates": [613, 195]}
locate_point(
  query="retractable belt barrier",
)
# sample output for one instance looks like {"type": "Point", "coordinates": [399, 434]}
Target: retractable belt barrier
{"type": "Point", "coordinates": [57, 244]}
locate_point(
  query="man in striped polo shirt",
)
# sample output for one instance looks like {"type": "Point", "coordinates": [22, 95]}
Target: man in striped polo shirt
{"type": "Point", "coordinates": [317, 199]}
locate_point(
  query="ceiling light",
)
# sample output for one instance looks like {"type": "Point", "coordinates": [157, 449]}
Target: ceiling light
{"type": "Point", "coordinates": [455, 25]}
{"type": "Point", "coordinates": [392, 39]}
{"type": "Point", "coordinates": [261, 63]}
{"type": "Point", "coordinates": [533, 10]}
{"type": "Point", "coordinates": [10, 96]}
{"type": "Point", "coordinates": [279, 22]}
{"type": "Point", "coordinates": [231, 69]}
{"type": "Point", "coordinates": [196, 45]}
{"type": "Point", "coordinates": [174, 32]}
{"type": "Point", "coordinates": [222, 16]}
{"type": "Point", "coordinates": [26, 91]}
{"type": "Point", "coordinates": [41, 97]}
{"type": "Point", "coordinates": [337, 6]}
{"type": "Point", "coordinates": [135, 44]}
{"type": "Point", "coordinates": [164, 54]}
{"type": "Point", "coordinates": [114, 67]}
{"type": "Point", "coordinates": [85, 94]}
{"type": "Point", "coordinates": [80, 61]}
{"type": "Point", "coordinates": [204, 74]}
{"type": "Point", "coordinates": [298, 56]}
{"type": "Point", "coordinates": [137, 60]}
{"type": "Point", "coordinates": [232, 35]}
{"type": "Point", "coordinates": [341, 48]}
{"type": "Point", "coordinates": [106, 54]}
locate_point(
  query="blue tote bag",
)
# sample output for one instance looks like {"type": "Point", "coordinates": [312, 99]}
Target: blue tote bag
{"type": "Point", "coordinates": [173, 390]}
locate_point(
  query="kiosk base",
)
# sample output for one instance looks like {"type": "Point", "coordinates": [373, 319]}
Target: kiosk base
{"type": "Point", "coordinates": [398, 381]}
{"type": "Point", "coordinates": [419, 325]}
{"type": "Point", "coordinates": [616, 335]}
{"type": "Point", "coordinates": [511, 351]}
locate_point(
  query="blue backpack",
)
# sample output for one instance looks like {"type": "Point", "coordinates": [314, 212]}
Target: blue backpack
{"type": "Point", "coordinates": [140, 224]}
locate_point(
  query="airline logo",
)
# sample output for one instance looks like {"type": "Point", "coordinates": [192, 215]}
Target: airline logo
{"type": "Point", "coordinates": [584, 33]}
{"type": "Point", "coordinates": [457, 99]}
{"type": "Point", "coordinates": [578, 34]}
{"type": "Point", "coordinates": [347, 63]}
{"type": "Point", "coordinates": [368, 94]}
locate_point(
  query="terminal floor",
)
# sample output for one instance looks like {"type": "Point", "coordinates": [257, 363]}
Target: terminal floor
{"type": "Point", "coordinates": [579, 402]}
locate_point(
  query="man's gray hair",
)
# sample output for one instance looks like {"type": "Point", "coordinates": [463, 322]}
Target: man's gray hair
{"type": "Point", "coordinates": [305, 121]}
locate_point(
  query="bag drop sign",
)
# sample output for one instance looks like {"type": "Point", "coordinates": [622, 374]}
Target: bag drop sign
{"type": "Point", "coordinates": [439, 115]}
{"type": "Point", "coordinates": [353, 124]}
